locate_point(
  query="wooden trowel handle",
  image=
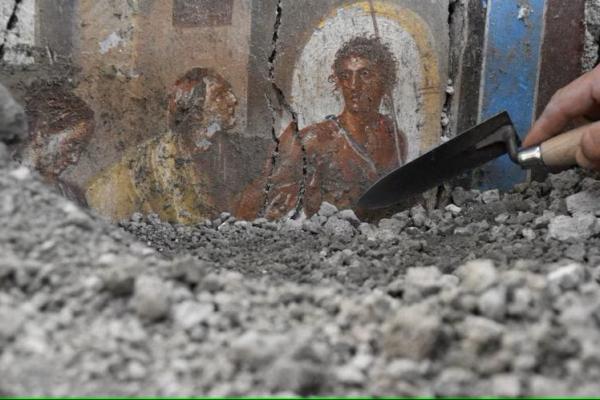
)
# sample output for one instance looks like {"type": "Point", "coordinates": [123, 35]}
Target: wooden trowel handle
{"type": "Point", "coordinates": [559, 152]}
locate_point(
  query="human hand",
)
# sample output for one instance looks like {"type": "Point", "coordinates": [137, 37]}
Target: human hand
{"type": "Point", "coordinates": [579, 99]}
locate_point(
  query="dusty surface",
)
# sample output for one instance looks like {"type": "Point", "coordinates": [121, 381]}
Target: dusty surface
{"type": "Point", "coordinates": [497, 294]}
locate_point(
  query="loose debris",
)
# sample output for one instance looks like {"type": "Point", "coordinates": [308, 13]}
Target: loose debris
{"type": "Point", "coordinates": [496, 294]}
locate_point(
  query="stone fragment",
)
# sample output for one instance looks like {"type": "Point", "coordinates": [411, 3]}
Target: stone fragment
{"type": "Point", "coordinates": [255, 350]}
{"type": "Point", "coordinates": [480, 333]}
{"type": "Point", "coordinates": [453, 209]}
{"type": "Point", "coordinates": [454, 382]}
{"type": "Point", "coordinates": [544, 386]}
{"type": "Point", "coordinates": [350, 216]}
{"type": "Point", "coordinates": [529, 234]}
{"type": "Point", "coordinates": [350, 375]}
{"type": "Point", "coordinates": [21, 173]}
{"type": "Point", "coordinates": [119, 281]}
{"type": "Point", "coordinates": [4, 155]}
{"type": "Point", "coordinates": [393, 224]}
{"type": "Point", "coordinates": [327, 210]}
{"type": "Point", "coordinates": [368, 230]}
{"type": "Point", "coordinates": [578, 227]}
{"type": "Point", "coordinates": [506, 385]}
{"type": "Point", "coordinates": [418, 215]}
{"type": "Point", "coordinates": [190, 313]}
{"type": "Point", "coordinates": [492, 304]}
{"type": "Point", "coordinates": [568, 277]}
{"type": "Point", "coordinates": [421, 282]}
{"type": "Point", "coordinates": [412, 332]}
{"type": "Point", "coordinates": [302, 378]}
{"type": "Point", "coordinates": [490, 196]}
{"type": "Point", "coordinates": [461, 196]}
{"type": "Point", "coordinates": [477, 275]}
{"type": "Point", "coordinates": [586, 202]}
{"type": "Point", "coordinates": [339, 228]}
{"type": "Point", "coordinates": [564, 181]}
{"type": "Point", "coordinates": [11, 321]}
{"type": "Point", "coordinates": [151, 298]}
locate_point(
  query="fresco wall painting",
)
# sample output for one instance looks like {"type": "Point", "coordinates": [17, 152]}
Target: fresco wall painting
{"type": "Point", "coordinates": [365, 84]}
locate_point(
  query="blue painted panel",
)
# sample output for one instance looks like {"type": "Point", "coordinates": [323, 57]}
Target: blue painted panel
{"type": "Point", "coordinates": [509, 81]}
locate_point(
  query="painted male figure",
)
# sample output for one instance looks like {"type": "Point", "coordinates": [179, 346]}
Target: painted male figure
{"type": "Point", "coordinates": [344, 154]}
{"type": "Point", "coordinates": [165, 175]}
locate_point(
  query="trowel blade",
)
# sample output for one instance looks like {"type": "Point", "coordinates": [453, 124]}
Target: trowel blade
{"type": "Point", "coordinates": [437, 166]}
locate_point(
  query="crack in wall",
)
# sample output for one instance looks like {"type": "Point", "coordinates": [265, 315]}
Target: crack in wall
{"type": "Point", "coordinates": [10, 25]}
{"type": "Point", "coordinates": [285, 107]}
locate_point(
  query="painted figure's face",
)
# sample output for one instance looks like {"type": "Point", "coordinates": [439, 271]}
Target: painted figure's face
{"type": "Point", "coordinates": [362, 85]}
{"type": "Point", "coordinates": [53, 152]}
{"type": "Point", "coordinates": [202, 107]}
{"type": "Point", "coordinates": [219, 108]}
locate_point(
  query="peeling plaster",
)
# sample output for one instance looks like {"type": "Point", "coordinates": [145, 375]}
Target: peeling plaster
{"type": "Point", "coordinates": [113, 40]}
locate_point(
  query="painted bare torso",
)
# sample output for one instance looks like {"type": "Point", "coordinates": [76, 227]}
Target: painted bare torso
{"type": "Point", "coordinates": [338, 168]}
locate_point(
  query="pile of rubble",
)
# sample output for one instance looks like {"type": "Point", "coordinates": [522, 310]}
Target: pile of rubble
{"type": "Point", "coordinates": [493, 294]}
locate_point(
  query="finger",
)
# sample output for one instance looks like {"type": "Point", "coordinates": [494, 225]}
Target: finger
{"type": "Point", "coordinates": [590, 149]}
{"type": "Point", "coordinates": [579, 98]}
{"type": "Point", "coordinates": [585, 163]}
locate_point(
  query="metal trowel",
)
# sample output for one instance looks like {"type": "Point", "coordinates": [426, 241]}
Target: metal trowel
{"type": "Point", "coordinates": [473, 148]}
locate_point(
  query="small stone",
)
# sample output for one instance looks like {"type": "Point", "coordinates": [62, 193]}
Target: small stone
{"type": "Point", "coordinates": [21, 173]}
{"type": "Point", "coordinates": [460, 196]}
{"type": "Point", "coordinates": [418, 215]}
{"type": "Point", "coordinates": [137, 217]}
{"type": "Point", "coordinates": [119, 281]}
{"type": "Point", "coordinates": [4, 155]}
{"type": "Point", "coordinates": [579, 227]}
{"type": "Point", "coordinates": [477, 275]}
{"type": "Point", "coordinates": [420, 282]}
{"type": "Point", "coordinates": [150, 299]}
{"type": "Point", "coordinates": [492, 304]}
{"type": "Point", "coordinates": [350, 375]}
{"type": "Point", "coordinates": [480, 333]}
{"type": "Point", "coordinates": [255, 350]}
{"type": "Point", "coordinates": [302, 378]}
{"type": "Point", "coordinates": [327, 210]}
{"type": "Point", "coordinates": [339, 228]}
{"type": "Point", "coordinates": [404, 369]}
{"type": "Point", "coordinates": [454, 382]}
{"type": "Point", "coordinates": [190, 313]}
{"type": "Point", "coordinates": [350, 216]}
{"type": "Point", "coordinates": [490, 196]}
{"type": "Point", "coordinates": [565, 180]}
{"type": "Point", "coordinates": [568, 277]}
{"type": "Point", "coordinates": [453, 209]}
{"type": "Point", "coordinates": [506, 385]}
{"type": "Point", "coordinates": [11, 321]}
{"type": "Point", "coordinates": [392, 224]}
{"type": "Point", "coordinates": [586, 202]}
{"type": "Point", "coordinates": [412, 333]}
{"type": "Point", "coordinates": [502, 218]}
{"type": "Point", "coordinates": [546, 386]}
{"type": "Point", "coordinates": [529, 234]}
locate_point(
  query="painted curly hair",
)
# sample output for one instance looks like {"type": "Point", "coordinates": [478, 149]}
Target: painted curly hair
{"type": "Point", "coordinates": [370, 48]}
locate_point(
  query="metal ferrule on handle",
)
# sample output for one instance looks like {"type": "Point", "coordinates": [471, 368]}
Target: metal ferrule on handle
{"type": "Point", "coordinates": [530, 157]}
{"type": "Point", "coordinates": [556, 154]}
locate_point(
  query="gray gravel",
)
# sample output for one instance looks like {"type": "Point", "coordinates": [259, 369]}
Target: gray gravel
{"type": "Point", "coordinates": [492, 294]}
